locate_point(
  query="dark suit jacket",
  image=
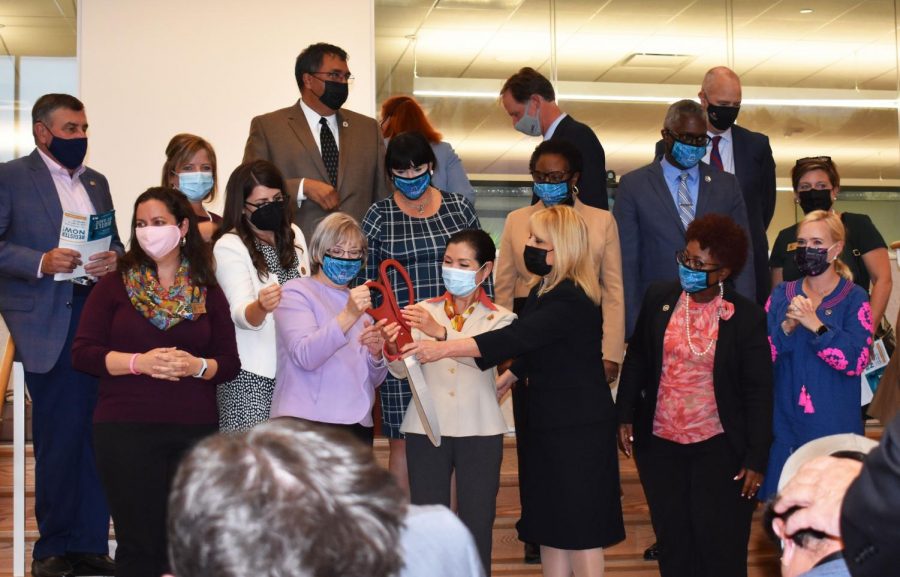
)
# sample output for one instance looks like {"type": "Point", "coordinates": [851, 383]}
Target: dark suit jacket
{"type": "Point", "coordinates": [555, 342]}
{"type": "Point", "coordinates": [592, 184]}
{"type": "Point", "coordinates": [283, 138]}
{"type": "Point", "coordinates": [742, 373]}
{"type": "Point", "coordinates": [37, 310]}
{"type": "Point", "coordinates": [650, 230]}
{"type": "Point", "coordinates": [870, 514]}
{"type": "Point", "coordinates": [754, 168]}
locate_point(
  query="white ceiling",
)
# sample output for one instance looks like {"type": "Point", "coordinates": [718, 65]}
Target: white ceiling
{"type": "Point", "coordinates": [37, 27]}
{"type": "Point", "coordinates": [842, 44]}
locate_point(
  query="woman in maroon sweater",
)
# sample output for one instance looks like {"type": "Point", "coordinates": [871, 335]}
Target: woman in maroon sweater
{"type": "Point", "coordinates": [160, 338]}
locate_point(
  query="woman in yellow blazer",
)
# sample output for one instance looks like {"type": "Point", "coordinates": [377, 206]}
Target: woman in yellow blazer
{"type": "Point", "coordinates": [556, 167]}
{"type": "Point", "coordinates": [465, 397]}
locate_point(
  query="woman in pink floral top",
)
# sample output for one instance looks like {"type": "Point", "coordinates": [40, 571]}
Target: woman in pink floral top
{"type": "Point", "coordinates": [820, 330]}
{"type": "Point", "coordinates": [695, 401]}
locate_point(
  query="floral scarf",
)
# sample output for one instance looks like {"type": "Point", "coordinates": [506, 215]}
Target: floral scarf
{"type": "Point", "coordinates": [165, 308]}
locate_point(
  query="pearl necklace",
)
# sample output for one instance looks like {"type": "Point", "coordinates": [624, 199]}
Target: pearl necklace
{"type": "Point", "coordinates": [687, 323]}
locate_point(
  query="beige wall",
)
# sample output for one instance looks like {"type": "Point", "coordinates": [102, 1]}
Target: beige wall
{"type": "Point", "coordinates": [149, 70]}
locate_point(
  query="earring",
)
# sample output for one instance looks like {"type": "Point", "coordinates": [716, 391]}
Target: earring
{"type": "Point", "coordinates": [575, 190]}
{"type": "Point", "coordinates": [183, 240]}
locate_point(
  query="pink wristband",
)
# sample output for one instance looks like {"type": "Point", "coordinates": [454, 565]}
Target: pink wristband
{"type": "Point", "coordinates": [131, 368]}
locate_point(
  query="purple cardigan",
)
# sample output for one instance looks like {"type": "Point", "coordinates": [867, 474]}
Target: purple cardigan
{"type": "Point", "coordinates": [322, 374]}
{"type": "Point", "coordinates": [109, 322]}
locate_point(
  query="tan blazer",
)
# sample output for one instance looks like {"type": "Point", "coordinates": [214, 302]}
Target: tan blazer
{"type": "Point", "coordinates": [284, 139]}
{"type": "Point", "coordinates": [465, 396]}
{"type": "Point", "coordinates": [512, 279]}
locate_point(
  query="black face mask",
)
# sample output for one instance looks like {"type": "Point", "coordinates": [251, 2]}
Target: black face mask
{"type": "Point", "coordinates": [269, 217]}
{"type": "Point", "coordinates": [536, 260]}
{"type": "Point", "coordinates": [811, 261]}
{"type": "Point", "coordinates": [722, 117]}
{"type": "Point", "coordinates": [815, 199]}
{"type": "Point", "coordinates": [69, 152]}
{"type": "Point", "coordinates": [335, 94]}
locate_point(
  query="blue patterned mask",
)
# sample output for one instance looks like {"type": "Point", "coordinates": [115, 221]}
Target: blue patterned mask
{"type": "Point", "coordinates": [341, 271]}
{"type": "Point", "coordinates": [551, 193]}
{"type": "Point", "coordinates": [692, 281]}
{"type": "Point", "coordinates": [687, 156]}
{"type": "Point", "coordinates": [413, 188]}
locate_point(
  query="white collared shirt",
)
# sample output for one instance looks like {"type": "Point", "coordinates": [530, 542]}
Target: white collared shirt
{"type": "Point", "coordinates": [313, 118]}
{"type": "Point", "coordinates": [552, 128]}
{"type": "Point", "coordinates": [726, 150]}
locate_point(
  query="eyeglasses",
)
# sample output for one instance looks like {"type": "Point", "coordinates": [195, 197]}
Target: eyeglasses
{"type": "Point", "coordinates": [814, 160]}
{"type": "Point", "coordinates": [690, 139]}
{"type": "Point", "coordinates": [550, 177]}
{"type": "Point", "coordinates": [335, 76]}
{"type": "Point", "coordinates": [262, 203]}
{"type": "Point", "coordinates": [681, 257]}
{"type": "Point", "coordinates": [338, 252]}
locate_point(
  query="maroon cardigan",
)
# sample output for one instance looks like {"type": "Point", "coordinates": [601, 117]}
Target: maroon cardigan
{"type": "Point", "coordinates": [109, 322]}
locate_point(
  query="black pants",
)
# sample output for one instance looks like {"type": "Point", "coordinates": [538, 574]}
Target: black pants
{"type": "Point", "coordinates": [701, 521]}
{"type": "Point", "coordinates": [137, 462]}
{"type": "Point", "coordinates": [476, 461]}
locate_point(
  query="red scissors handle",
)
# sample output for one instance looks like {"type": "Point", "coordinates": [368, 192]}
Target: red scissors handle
{"type": "Point", "coordinates": [389, 308]}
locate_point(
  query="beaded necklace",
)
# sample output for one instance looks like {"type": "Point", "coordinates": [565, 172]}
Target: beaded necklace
{"type": "Point", "coordinates": [687, 322]}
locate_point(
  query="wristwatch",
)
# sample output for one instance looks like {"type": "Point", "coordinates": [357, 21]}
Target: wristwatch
{"type": "Point", "coordinates": [203, 368]}
{"type": "Point", "coordinates": [821, 330]}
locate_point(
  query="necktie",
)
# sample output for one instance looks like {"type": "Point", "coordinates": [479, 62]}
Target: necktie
{"type": "Point", "coordinates": [329, 150]}
{"type": "Point", "coordinates": [685, 206]}
{"type": "Point", "coordinates": [715, 158]}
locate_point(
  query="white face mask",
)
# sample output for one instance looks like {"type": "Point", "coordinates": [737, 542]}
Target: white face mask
{"type": "Point", "coordinates": [460, 282]}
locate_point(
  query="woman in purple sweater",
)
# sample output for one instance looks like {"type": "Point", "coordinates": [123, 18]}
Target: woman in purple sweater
{"type": "Point", "coordinates": [160, 338]}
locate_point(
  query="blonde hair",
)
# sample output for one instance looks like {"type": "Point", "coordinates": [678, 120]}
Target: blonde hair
{"type": "Point", "coordinates": [568, 234]}
{"type": "Point", "coordinates": [180, 150]}
{"type": "Point", "coordinates": [838, 234]}
{"type": "Point", "coordinates": [331, 230]}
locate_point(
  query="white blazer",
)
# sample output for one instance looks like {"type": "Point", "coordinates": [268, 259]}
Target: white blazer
{"type": "Point", "coordinates": [464, 395]}
{"type": "Point", "coordinates": [237, 277]}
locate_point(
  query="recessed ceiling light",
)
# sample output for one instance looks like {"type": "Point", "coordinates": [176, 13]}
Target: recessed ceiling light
{"type": "Point", "coordinates": [806, 11]}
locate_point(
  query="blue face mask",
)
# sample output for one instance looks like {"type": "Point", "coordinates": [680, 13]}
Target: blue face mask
{"type": "Point", "coordinates": [341, 271]}
{"type": "Point", "coordinates": [195, 185]}
{"type": "Point", "coordinates": [692, 281]}
{"type": "Point", "coordinates": [413, 188]}
{"type": "Point", "coordinates": [687, 156]}
{"type": "Point", "coordinates": [551, 193]}
{"type": "Point", "coordinates": [459, 282]}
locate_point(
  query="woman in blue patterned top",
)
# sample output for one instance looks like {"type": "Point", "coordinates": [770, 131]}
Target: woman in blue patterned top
{"type": "Point", "coordinates": [412, 227]}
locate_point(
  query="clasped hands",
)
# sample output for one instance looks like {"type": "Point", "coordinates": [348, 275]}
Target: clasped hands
{"type": "Point", "coordinates": [801, 311]}
{"type": "Point", "coordinates": [168, 363]}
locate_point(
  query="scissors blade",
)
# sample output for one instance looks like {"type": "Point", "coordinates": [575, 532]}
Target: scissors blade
{"type": "Point", "coordinates": [422, 398]}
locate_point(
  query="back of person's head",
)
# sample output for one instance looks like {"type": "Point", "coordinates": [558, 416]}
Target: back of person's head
{"type": "Point", "coordinates": [180, 150]}
{"type": "Point", "coordinates": [683, 109]}
{"type": "Point", "coordinates": [310, 60]}
{"type": "Point", "coordinates": [568, 233]}
{"type": "Point", "coordinates": [403, 114]}
{"type": "Point", "coordinates": [408, 150]}
{"type": "Point", "coordinates": [526, 82]}
{"type": "Point", "coordinates": [837, 231]}
{"type": "Point", "coordinates": [286, 498]}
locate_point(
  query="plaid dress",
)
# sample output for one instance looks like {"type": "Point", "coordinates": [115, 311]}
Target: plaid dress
{"type": "Point", "coordinates": [418, 244]}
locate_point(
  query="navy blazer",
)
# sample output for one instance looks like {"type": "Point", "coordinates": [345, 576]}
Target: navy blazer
{"type": "Point", "coordinates": [37, 310]}
{"type": "Point", "coordinates": [650, 230]}
{"type": "Point", "coordinates": [592, 184]}
{"type": "Point", "coordinates": [742, 373]}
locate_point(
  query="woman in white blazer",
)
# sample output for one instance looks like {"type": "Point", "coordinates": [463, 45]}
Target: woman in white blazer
{"type": "Point", "coordinates": [257, 251]}
{"type": "Point", "coordinates": [465, 397]}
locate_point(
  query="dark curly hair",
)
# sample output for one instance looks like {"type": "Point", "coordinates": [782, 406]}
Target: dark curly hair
{"type": "Point", "coordinates": [725, 239]}
{"type": "Point", "coordinates": [563, 148]}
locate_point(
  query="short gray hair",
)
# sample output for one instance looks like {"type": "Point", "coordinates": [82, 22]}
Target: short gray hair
{"type": "Point", "coordinates": [332, 230]}
{"type": "Point", "coordinates": [681, 109]}
{"type": "Point", "coordinates": [285, 498]}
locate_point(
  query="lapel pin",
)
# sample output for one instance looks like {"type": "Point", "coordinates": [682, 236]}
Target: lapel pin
{"type": "Point", "coordinates": [665, 307]}
{"type": "Point", "coordinates": [345, 124]}
{"type": "Point", "coordinates": [828, 312]}
{"type": "Point", "coordinates": [707, 178]}
{"type": "Point", "coordinates": [92, 183]}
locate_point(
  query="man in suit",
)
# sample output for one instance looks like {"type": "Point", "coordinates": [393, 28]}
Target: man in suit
{"type": "Point", "coordinates": [332, 158]}
{"type": "Point", "coordinates": [42, 315]}
{"type": "Point", "coordinates": [656, 203]}
{"type": "Point", "coordinates": [745, 154]}
{"type": "Point", "coordinates": [529, 99]}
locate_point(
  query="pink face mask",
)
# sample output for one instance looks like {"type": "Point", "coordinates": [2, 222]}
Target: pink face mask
{"type": "Point", "coordinates": [158, 241]}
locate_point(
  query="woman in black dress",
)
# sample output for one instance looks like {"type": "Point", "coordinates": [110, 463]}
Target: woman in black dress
{"type": "Point", "coordinates": [565, 417]}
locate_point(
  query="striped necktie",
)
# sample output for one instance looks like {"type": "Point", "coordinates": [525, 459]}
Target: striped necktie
{"type": "Point", "coordinates": [715, 158]}
{"type": "Point", "coordinates": [685, 206]}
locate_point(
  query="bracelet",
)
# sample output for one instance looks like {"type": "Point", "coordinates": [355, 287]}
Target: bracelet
{"type": "Point", "coordinates": [446, 333]}
{"type": "Point", "coordinates": [131, 366]}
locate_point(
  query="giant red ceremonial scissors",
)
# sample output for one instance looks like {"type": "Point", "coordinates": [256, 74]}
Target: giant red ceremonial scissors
{"type": "Point", "coordinates": [389, 308]}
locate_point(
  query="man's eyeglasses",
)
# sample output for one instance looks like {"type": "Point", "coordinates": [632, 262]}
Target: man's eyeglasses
{"type": "Point", "coordinates": [550, 177]}
{"type": "Point", "coordinates": [335, 76]}
{"type": "Point", "coordinates": [814, 160]}
{"type": "Point", "coordinates": [690, 139]}
{"type": "Point", "coordinates": [338, 252]}
{"type": "Point", "coordinates": [681, 257]}
{"type": "Point", "coordinates": [262, 203]}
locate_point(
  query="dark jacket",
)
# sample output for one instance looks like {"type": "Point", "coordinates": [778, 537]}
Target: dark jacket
{"type": "Point", "coordinates": [742, 373]}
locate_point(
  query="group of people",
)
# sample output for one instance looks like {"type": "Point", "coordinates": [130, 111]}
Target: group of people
{"type": "Point", "coordinates": [220, 322]}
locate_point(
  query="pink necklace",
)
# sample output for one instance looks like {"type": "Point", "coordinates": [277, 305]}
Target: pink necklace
{"type": "Point", "coordinates": [687, 322]}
